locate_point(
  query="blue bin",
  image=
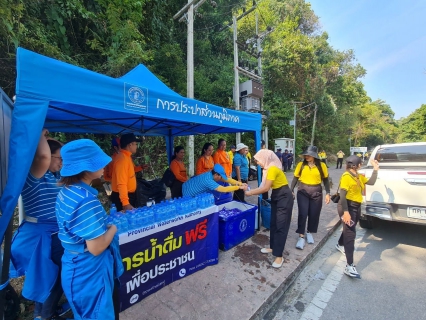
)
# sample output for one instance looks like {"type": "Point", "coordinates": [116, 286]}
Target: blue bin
{"type": "Point", "coordinates": [235, 229]}
{"type": "Point", "coordinates": [265, 212]}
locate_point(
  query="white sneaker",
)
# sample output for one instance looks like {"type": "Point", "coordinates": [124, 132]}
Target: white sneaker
{"type": "Point", "coordinates": [351, 271]}
{"type": "Point", "coordinates": [340, 248]}
{"type": "Point", "coordinates": [300, 243]}
{"type": "Point", "coordinates": [309, 238]}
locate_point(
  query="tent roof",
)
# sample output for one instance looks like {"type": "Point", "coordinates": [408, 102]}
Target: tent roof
{"type": "Point", "coordinates": [84, 101]}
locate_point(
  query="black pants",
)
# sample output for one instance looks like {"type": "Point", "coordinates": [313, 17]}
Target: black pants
{"type": "Point", "coordinates": [115, 199]}
{"type": "Point", "coordinates": [239, 194]}
{"type": "Point", "coordinates": [285, 166]}
{"type": "Point", "coordinates": [281, 210]}
{"type": "Point", "coordinates": [339, 161]}
{"type": "Point", "coordinates": [347, 238]}
{"type": "Point", "coordinates": [309, 203]}
{"type": "Point", "coordinates": [176, 189]}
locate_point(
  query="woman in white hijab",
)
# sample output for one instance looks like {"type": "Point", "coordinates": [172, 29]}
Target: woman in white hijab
{"type": "Point", "coordinates": [281, 202]}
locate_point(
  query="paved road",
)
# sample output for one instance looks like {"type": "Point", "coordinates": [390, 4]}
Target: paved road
{"type": "Point", "coordinates": [391, 260]}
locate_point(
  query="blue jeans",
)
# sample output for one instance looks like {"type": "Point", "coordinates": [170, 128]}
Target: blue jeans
{"type": "Point", "coordinates": [48, 308]}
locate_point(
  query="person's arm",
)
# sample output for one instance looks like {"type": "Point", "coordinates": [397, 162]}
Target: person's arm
{"type": "Point", "coordinates": [42, 157]}
{"type": "Point", "coordinates": [175, 168]}
{"type": "Point", "coordinates": [99, 244]}
{"type": "Point", "coordinates": [232, 181]}
{"type": "Point", "coordinates": [373, 177]}
{"type": "Point", "coordinates": [229, 188]}
{"type": "Point", "coordinates": [261, 189]}
{"type": "Point", "coordinates": [199, 166]}
{"type": "Point", "coordinates": [344, 202]}
{"type": "Point", "coordinates": [293, 183]}
{"type": "Point", "coordinates": [326, 182]}
{"type": "Point", "coordinates": [122, 177]}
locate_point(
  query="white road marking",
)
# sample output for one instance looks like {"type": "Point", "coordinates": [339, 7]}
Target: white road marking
{"type": "Point", "coordinates": [324, 294]}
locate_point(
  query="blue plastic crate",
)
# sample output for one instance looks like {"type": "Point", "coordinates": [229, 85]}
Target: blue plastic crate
{"type": "Point", "coordinates": [235, 229]}
{"type": "Point", "coordinates": [265, 212]}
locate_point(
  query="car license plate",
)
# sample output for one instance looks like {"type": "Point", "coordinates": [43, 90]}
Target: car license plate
{"type": "Point", "coordinates": [417, 213]}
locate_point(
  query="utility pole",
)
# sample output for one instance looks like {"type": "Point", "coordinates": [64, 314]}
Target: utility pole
{"type": "Point", "coordinates": [189, 15]}
{"type": "Point", "coordinates": [236, 76]}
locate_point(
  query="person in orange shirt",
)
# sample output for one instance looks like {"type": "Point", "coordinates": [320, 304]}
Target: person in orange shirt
{"type": "Point", "coordinates": [178, 168]}
{"type": "Point", "coordinates": [110, 167]}
{"type": "Point", "coordinates": [123, 183]}
{"type": "Point", "coordinates": [222, 157]}
{"type": "Point", "coordinates": [205, 162]}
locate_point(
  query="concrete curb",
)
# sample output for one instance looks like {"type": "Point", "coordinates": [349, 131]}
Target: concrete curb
{"type": "Point", "coordinates": [282, 289]}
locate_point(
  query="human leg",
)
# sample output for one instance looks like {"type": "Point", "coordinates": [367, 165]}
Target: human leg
{"type": "Point", "coordinates": [349, 233]}
{"type": "Point", "coordinates": [303, 208]}
{"type": "Point", "coordinates": [283, 211]}
{"type": "Point", "coordinates": [239, 195]}
{"type": "Point", "coordinates": [315, 206]}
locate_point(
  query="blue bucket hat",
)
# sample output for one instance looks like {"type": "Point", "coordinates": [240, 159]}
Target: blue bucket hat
{"type": "Point", "coordinates": [82, 155]}
{"type": "Point", "coordinates": [220, 170]}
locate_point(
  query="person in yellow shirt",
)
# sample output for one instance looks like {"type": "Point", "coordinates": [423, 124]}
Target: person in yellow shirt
{"type": "Point", "coordinates": [123, 182]}
{"type": "Point", "coordinates": [310, 174]}
{"type": "Point", "coordinates": [231, 154]}
{"type": "Point", "coordinates": [248, 158]}
{"type": "Point", "coordinates": [222, 157]}
{"type": "Point", "coordinates": [340, 156]}
{"type": "Point", "coordinates": [281, 202]}
{"type": "Point", "coordinates": [349, 207]}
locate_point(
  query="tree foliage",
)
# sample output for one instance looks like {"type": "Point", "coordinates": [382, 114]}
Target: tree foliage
{"type": "Point", "coordinates": [299, 64]}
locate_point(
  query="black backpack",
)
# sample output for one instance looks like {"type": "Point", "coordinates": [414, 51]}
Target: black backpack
{"type": "Point", "coordinates": [168, 178]}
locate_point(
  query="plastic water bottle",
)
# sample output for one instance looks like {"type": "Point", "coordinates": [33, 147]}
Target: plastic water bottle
{"type": "Point", "coordinates": [112, 209]}
{"type": "Point", "coordinates": [124, 224]}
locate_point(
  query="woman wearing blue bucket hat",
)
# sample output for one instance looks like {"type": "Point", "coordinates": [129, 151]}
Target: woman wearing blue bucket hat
{"type": "Point", "coordinates": [91, 258]}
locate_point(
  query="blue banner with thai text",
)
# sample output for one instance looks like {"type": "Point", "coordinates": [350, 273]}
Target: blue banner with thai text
{"type": "Point", "coordinates": [166, 252]}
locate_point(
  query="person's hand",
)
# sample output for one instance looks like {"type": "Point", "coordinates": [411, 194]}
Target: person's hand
{"type": "Point", "coordinates": [248, 193]}
{"type": "Point", "coordinates": [45, 133]}
{"type": "Point", "coordinates": [243, 187]}
{"type": "Point", "coordinates": [375, 164]}
{"type": "Point", "coordinates": [327, 198]}
{"type": "Point", "coordinates": [144, 166]}
{"type": "Point", "coordinates": [128, 207]}
{"type": "Point", "coordinates": [346, 218]}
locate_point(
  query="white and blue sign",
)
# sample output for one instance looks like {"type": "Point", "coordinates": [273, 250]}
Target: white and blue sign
{"type": "Point", "coordinates": [135, 98]}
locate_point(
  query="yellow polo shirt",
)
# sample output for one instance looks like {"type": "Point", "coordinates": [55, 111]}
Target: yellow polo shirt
{"type": "Point", "coordinates": [310, 176]}
{"type": "Point", "coordinates": [277, 176]}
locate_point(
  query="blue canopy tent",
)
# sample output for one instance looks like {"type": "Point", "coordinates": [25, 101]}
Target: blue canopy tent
{"type": "Point", "coordinates": [66, 98]}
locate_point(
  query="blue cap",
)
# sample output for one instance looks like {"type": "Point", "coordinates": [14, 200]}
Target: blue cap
{"type": "Point", "coordinates": [220, 170]}
{"type": "Point", "coordinates": [82, 155]}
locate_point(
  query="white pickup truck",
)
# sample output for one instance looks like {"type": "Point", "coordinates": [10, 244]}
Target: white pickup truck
{"type": "Point", "coordinates": [399, 193]}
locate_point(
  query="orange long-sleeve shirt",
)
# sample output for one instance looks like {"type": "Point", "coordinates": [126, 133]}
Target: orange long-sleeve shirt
{"type": "Point", "coordinates": [179, 170]}
{"type": "Point", "coordinates": [222, 158]}
{"type": "Point", "coordinates": [123, 176]}
{"type": "Point", "coordinates": [108, 170]}
{"type": "Point", "coordinates": [204, 164]}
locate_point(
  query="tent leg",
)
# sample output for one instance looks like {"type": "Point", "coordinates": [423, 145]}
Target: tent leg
{"type": "Point", "coordinates": [4, 265]}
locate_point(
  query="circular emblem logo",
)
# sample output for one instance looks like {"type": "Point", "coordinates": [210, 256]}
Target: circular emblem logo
{"type": "Point", "coordinates": [134, 298]}
{"type": "Point", "coordinates": [182, 272]}
{"type": "Point", "coordinates": [243, 225]}
{"type": "Point", "coordinates": [136, 95]}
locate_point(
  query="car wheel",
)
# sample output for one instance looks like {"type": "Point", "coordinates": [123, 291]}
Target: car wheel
{"type": "Point", "coordinates": [367, 222]}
